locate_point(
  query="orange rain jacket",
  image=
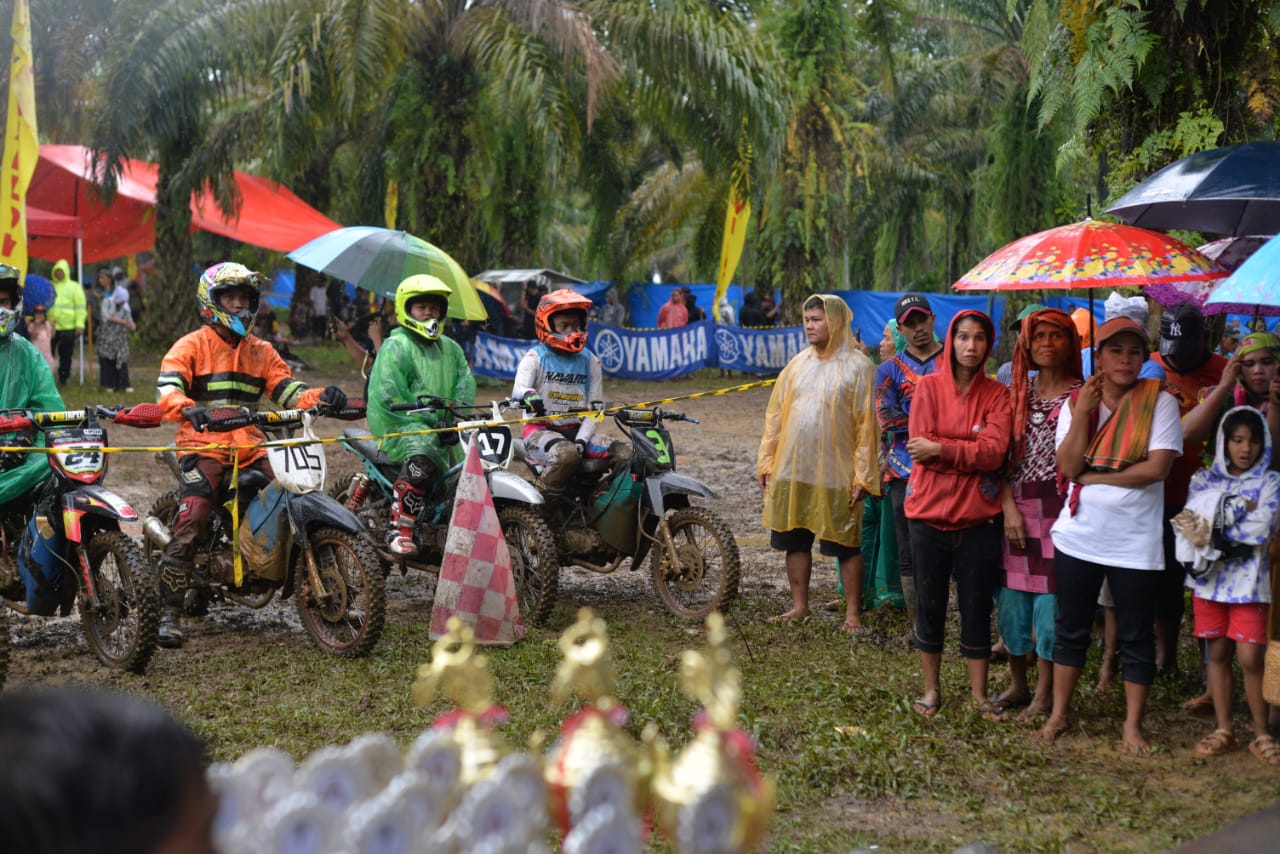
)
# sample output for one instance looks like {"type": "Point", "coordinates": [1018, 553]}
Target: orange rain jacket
{"type": "Point", "coordinates": [204, 369]}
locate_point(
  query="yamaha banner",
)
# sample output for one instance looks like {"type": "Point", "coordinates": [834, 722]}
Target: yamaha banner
{"type": "Point", "coordinates": [758, 351]}
{"type": "Point", "coordinates": [657, 354]}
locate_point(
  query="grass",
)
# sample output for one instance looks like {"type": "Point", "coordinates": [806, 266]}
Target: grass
{"type": "Point", "coordinates": [890, 779]}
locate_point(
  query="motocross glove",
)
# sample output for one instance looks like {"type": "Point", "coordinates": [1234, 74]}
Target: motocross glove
{"type": "Point", "coordinates": [534, 404]}
{"type": "Point", "coordinates": [333, 397]}
{"type": "Point", "coordinates": [449, 437]}
{"type": "Point", "coordinates": [197, 417]}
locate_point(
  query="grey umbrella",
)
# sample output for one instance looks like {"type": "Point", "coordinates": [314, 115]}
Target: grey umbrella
{"type": "Point", "coordinates": [1231, 190]}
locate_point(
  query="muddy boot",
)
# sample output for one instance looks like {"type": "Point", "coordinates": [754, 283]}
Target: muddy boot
{"type": "Point", "coordinates": [175, 575]}
{"type": "Point", "coordinates": [562, 460]}
{"type": "Point", "coordinates": [406, 501]}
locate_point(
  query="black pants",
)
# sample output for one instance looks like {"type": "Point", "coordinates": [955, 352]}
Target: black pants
{"type": "Point", "coordinates": [898, 499]}
{"type": "Point", "coordinates": [1170, 584]}
{"type": "Point", "coordinates": [972, 556]}
{"type": "Point", "coordinates": [1132, 589]}
{"type": "Point", "coordinates": [64, 345]}
{"type": "Point", "coordinates": [112, 376]}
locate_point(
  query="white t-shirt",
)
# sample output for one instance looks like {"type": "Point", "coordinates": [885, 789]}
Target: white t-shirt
{"type": "Point", "coordinates": [320, 300]}
{"type": "Point", "coordinates": [1119, 525]}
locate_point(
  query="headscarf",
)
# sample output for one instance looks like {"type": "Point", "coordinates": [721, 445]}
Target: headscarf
{"type": "Point", "coordinates": [1083, 322]}
{"type": "Point", "coordinates": [1023, 364]}
{"type": "Point", "coordinates": [839, 316]}
{"type": "Point", "coordinates": [899, 341]}
{"type": "Point", "coordinates": [946, 366]}
{"type": "Point", "coordinates": [1256, 341]}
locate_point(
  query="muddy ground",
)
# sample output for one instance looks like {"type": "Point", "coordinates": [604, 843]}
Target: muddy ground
{"type": "Point", "coordinates": [720, 451]}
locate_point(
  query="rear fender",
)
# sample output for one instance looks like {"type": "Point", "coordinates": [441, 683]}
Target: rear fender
{"type": "Point", "coordinates": [314, 509]}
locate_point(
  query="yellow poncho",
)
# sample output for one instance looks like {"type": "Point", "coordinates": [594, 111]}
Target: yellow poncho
{"type": "Point", "coordinates": [820, 437]}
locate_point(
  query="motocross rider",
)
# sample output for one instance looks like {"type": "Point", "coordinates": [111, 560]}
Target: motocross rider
{"type": "Point", "coordinates": [218, 365]}
{"type": "Point", "coordinates": [557, 377]}
{"type": "Point", "coordinates": [25, 383]}
{"type": "Point", "coordinates": [414, 360]}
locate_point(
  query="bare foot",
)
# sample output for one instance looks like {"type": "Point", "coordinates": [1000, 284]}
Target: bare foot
{"type": "Point", "coordinates": [1135, 743]}
{"type": "Point", "coordinates": [853, 627]}
{"type": "Point", "coordinates": [791, 616]}
{"type": "Point", "coordinates": [1035, 710]}
{"type": "Point", "coordinates": [1012, 699]}
{"type": "Point", "coordinates": [833, 605]}
{"type": "Point", "coordinates": [1052, 728]}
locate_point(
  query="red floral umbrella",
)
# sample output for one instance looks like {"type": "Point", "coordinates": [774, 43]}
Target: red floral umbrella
{"type": "Point", "coordinates": [1090, 254]}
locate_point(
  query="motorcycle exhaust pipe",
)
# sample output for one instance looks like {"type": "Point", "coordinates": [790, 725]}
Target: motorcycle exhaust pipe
{"type": "Point", "coordinates": [156, 531]}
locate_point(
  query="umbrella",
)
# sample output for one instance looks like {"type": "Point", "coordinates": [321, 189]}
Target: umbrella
{"type": "Point", "coordinates": [1230, 252]}
{"type": "Point", "coordinates": [1255, 283]}
{"type": "Point", "coordinates": [378, 259]}
{"type": "Point", "coordinates": [1090, 254]}
{"type": "Point", "coordinates": [1230, 190]}
{"type": "Point", "coordinates": [36, 291]}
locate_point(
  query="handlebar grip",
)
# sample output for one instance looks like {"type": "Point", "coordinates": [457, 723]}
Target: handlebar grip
{"type": "Point", "coordinates": [227, 419]}
{"type": "Point", "coordinates": [403, 407]}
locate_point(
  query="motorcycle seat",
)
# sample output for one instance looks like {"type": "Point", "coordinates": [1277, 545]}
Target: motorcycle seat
{"type": "Point", "coordinates": [251, 482]}
{"type": "Point", "coordinates": [368, 449]}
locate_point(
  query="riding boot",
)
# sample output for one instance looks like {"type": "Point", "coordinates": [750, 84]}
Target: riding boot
{"type": "Point", "coordinates": [562, 460]}
{"type": "Point", "coordinates": [407, 500]}
{"type": "Point", "coordinates": [175, 575]}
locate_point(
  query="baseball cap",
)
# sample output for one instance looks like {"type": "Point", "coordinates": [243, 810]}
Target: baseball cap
{"type": "Point", "coordinates": [1182, 331]}
{"type": "Point", "coordinates": [1024, 314]}
{"type": "Point", "coordinates": [1116, 325]}
{"type": "Point", "coordinates": [908, 303]}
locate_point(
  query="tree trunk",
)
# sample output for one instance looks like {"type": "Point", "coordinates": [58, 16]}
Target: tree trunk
{"type": "Point", "coordinates": [171, 292]}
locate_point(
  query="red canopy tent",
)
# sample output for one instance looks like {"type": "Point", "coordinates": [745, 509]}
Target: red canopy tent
{"type": "Point", "coordinates": [63, 206]}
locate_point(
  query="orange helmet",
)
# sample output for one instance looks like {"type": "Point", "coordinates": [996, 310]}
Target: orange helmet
{"type": "Point", "coordinates": [551, 305]}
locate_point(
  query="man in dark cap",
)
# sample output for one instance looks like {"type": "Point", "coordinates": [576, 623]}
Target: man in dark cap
{"type": "Point", "coordinates": [896, 381]}
{"type": "Point", "coordinates": [1189, 367]}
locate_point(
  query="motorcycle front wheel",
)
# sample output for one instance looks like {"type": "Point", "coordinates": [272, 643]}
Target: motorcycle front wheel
{"type": "Point", "coordinates": [121, 628]}
{"type": "Point", "coordinates": [347, 620]}
{"type": "Point", "coordinates": [535, 563]}
{"type": "Point", "coordinates": [705, 575]}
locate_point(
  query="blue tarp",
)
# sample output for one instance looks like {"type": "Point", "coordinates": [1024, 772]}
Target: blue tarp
{"type": "Point", "coordinates": [644, 300]}
{"type": "Point", "coordinates": [280, 289]}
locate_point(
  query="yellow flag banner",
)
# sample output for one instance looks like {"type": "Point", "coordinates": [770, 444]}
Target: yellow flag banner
{"type": "Point", "coordinates": [736, 217]}
{"type": "Point", "coordinates": [391, 204]}
{"type": "Point", "coordinates": [21, 144]}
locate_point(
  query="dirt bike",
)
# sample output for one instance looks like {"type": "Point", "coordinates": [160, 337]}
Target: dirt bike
{"type": "Point", "coordinates": [66, 548]}
{"type": "Point", "coordinates": [645, 507]}
{"type": "Point", "coordinates": [533, 551]}
{"type": "Point", "coordinates": [291, 538]}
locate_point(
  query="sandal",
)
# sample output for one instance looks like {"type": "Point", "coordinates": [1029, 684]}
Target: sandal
{"type": "Point", "coordinates": [991, 711]}
{"type": "Point", "coordinates": [1266, 749]}
{"type": "Point", "coordinates": [925, 710]}
{"type": "Point", "coordinates": [1221, 742]}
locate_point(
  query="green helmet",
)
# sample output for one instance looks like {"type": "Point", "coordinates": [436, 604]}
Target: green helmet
{"type": "Point", "coordinates": [416, 287]}
{"type": "Point", "coordinates": [11, 282]}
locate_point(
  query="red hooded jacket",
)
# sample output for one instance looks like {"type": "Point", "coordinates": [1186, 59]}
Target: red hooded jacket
{"type": "Point", "coordinates": [961, 488]}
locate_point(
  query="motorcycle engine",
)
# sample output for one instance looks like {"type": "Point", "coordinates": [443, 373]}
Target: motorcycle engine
{"type": "Point", "coordinates": [221, 567]}
{"type": "Point", "coordinates": [581, 541]}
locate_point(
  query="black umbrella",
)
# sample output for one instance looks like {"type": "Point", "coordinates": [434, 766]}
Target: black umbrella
{"type": "Point", "coordinates": [1230, 190]}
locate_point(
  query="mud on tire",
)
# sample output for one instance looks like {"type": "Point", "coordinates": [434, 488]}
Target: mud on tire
{"type": "Point", "coordinates": [121, 629]}
{"type": "Point", "coordinates": [535, 563]}
{"type": "Point", "coordinates": [706, 578]}
{"type": "Point", "coordinates": [349, 621]}
{"type": "Point", "coordinates": [196, 602]}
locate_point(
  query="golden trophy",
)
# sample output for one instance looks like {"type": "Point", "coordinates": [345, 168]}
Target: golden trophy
{"type": "Point", "coordinates": [593, 763]}
{"type": "Point", "coordinates": [712, 797]}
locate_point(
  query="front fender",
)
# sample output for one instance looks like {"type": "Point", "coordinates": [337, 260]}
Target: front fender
{"type": "Point", "coordinates": [93, 500]}
{"type": "Point", "coordinates": [667, 483]}
{"type": "Point", "coordinates": [506, 486]}
{"type": "Point", "coordinates": [316, 508]}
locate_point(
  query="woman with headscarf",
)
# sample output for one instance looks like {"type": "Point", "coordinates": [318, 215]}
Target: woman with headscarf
{"type": "Point", "coordinates": [1117, 440]}
{"type": "Point", "coordinates": [112, 338]}
{"type": "Point", "coordinates": [817, 457]}
{"type": "Point", "coordinates": [1046, 369]}
{"type": "Point", "coordinates": [959, 438]}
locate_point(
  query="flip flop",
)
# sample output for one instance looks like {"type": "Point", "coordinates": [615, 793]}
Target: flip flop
{"type": "Point", "coordinates": [1007, 702]}
{"type": "Point", "coordinates": [855, 631]}
{"type": "Point", "coordinates": [991, 711]}
{"type": "Point", "coordinates": [925, 710]}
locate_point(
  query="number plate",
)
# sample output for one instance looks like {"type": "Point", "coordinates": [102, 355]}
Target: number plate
{"type": "Point", "coordinates": [494, 444]}
{"type": "Point", "coordinates": [81, 457]}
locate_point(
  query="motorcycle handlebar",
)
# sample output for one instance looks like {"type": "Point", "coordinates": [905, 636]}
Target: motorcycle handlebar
{"type": "Point", "coordinates": [224, 420]}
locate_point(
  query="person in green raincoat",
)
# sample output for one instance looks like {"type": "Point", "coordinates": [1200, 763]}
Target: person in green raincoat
{"type": "Point", "coordinates": [416, 359]}
{"type": "Point", "coordinates": [25, 383]}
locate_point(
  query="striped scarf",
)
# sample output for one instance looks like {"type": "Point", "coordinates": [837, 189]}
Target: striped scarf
{"type": "Point", "coordinates": [1123, 439]}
